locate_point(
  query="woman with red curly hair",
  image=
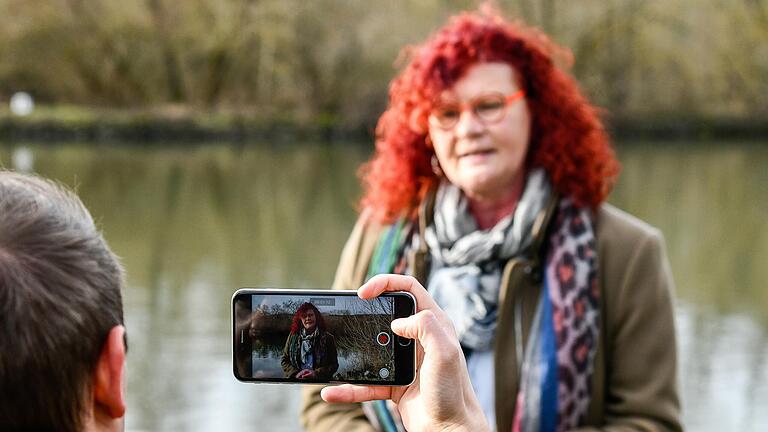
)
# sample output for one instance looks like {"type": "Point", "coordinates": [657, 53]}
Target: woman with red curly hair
{"type": "Point", "coordinates": [488, 186]}
{"type": "Point", "coordinates": [310, 351]}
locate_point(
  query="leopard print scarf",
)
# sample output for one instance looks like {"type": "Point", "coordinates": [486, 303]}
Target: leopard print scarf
{"type": "Point", "coordinates": [559, 357]}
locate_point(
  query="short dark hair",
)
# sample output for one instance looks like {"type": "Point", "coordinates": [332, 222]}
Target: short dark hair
{"type": "Point", "coordinates": [60, 295]}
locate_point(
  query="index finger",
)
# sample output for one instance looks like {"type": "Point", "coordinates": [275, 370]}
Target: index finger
{"type": "Point", "coordinates": [393, 282]}
{"type": "Point", "coordinates": [348, 393]}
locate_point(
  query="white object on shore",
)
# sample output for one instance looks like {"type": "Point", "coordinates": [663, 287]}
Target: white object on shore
{"type": "Point", "coordinates": [22, 104]}
{"type": "Point", "coordinates": [22, 159]}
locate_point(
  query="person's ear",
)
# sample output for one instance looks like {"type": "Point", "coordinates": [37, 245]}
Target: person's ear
{"type": "Point", "coordinates": [109, 381]}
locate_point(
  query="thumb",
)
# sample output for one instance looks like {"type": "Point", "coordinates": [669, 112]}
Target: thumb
{"type": "Point", "coordinates": [425, 328]}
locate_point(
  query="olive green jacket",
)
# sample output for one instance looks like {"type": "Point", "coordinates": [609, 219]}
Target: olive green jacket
{"type": "Point", "coordinates": [634, 384]}
{"type": "Point", "coordinates": [326, 361]}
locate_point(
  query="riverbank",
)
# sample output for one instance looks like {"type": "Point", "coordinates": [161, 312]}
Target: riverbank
{"type": "Point", "coordinates": [169, 124]}
{"type": "Point", "coordinates": [165, 124]}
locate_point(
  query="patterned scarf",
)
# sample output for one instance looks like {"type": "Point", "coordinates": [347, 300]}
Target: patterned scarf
{"type": "Point", "coordinates": [307, 342]}
{"type": "Point", "coordinates": [302, 345]}
{"type": "Point", "coordinates": [558, 359]}
{"type": "Point", "coordinates": [467, 262]}
{"type": "Point", "coordinates": [555, 381]}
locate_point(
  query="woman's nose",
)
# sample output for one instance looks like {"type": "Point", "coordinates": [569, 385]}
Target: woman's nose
{"type": "Point", "coordinates": [468, 124]}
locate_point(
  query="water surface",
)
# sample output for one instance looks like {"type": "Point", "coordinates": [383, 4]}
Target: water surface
{"type": "Point", "coordinates": [194, 223]}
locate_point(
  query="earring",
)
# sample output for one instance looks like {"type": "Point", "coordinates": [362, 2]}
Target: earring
{"type": "Point", "coordinates": [436, 166]}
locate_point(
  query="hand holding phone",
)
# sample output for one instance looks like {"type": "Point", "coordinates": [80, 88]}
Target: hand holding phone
{"type": "Point", "coordinates": [441, 396]}
{"type": "Point", "coordinates": [305, 374]}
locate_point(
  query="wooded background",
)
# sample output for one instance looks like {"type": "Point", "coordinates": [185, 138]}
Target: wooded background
{"type": "Point", "coordinates": [329, 61]}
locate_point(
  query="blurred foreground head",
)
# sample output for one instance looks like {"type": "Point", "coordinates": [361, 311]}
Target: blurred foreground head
{"type": "Point", "coordinates": [62, 351]}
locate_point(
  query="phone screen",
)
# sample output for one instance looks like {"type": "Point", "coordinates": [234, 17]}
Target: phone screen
{"type": "Point", "coordinates": [321, 336]}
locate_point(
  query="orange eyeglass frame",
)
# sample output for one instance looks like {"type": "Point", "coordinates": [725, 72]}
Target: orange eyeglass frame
{"type": "Point", "coordinates": [472, 107]}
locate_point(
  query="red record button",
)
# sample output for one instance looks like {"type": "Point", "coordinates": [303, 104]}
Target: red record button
{"type": "Point", "coordinates": [383, 338]}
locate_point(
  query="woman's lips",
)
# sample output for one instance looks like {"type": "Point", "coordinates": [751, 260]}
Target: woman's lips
{"type": "Point", "coordinates": [476, 155]}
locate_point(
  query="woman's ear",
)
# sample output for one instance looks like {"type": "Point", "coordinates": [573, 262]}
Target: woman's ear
{"type": "Point", "coordinates": [109, 380]}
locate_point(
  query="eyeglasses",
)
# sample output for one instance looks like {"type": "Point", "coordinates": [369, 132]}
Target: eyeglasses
{"type": "Point", "coordinates": [488, 108]}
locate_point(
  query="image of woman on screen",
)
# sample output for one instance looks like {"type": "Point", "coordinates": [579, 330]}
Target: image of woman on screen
{"type": "Point", "coordinates": [310, 350]}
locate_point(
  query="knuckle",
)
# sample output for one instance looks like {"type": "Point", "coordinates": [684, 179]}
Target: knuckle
{"type": "Point", "coordinates": [425, 318]}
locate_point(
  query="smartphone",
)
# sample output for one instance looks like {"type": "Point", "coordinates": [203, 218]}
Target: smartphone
{"type": "Point", "coordinates": [321, 336]}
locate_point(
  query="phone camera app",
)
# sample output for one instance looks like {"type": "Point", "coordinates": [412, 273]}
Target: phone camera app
{"type": "Point", "coordinates": [383, 338]}
{"type": "Point", "coordinates": [316, 338]}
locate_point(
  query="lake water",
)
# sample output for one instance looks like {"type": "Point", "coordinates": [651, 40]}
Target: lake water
{"type": "Point", "coordinates": [266, 363]}
{"type": "Point", "coordinates": [193, 223]}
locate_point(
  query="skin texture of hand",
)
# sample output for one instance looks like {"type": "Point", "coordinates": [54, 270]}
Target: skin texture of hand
{"type": "Point", "coordinates": [441, 397]}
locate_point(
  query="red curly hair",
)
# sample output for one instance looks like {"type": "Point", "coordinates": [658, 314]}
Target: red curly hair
{"type": "Point", "coordinates": [296, 323]}
{"type": "Point", "coordinates": [567, 138]}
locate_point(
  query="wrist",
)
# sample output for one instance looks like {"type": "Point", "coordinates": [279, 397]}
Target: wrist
{"type": "Point", "coordinates": [474, 426]}
{"type": "Point", "coordinates": [473, 420]}
{"type": "Point", "coordinates": [476, 422]}
{"type": "Point", "coordinates": [474, 416]}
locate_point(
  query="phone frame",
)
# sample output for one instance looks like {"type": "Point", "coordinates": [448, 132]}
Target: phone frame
{"type": "Point", "coordinates": [404, 305]}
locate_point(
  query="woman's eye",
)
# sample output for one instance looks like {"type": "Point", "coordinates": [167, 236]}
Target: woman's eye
{"type": "Point", "coordinates": [448, 113]}
{"type": "Point", "coordinates": [488, 106]}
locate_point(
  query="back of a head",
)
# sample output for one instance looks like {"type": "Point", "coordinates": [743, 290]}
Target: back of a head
{"type": "Point", "coordinates": [60, 294]}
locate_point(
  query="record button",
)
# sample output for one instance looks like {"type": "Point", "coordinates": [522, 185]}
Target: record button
{"type": "Point", "coordinates": [383, 338]}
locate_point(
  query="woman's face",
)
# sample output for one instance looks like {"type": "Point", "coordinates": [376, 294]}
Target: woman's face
{"type": "Point", "coordinates": [308, 320]}
{"type": "Point", "coordinates": [483, 158]}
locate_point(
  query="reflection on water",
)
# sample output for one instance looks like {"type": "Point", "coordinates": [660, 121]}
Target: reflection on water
{"type": "Point", "coordinates": [712, 205]}
{"type": "Point", "coordinates": [267, 365]}
{"type": "Point", "coordinates": [711, 202]}
{"type": "Point", "coordinates": [193, 224]}
{"type": "Point", "coordinates": [266, 362]}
